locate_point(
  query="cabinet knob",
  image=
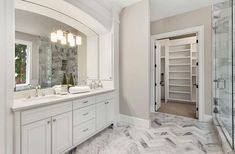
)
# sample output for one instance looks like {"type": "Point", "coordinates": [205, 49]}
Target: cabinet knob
{"type": "Point", "coordinates": [85, 129]}
{"type": "Point", "coordinates": [107, 103]}
{"type": "Point", "coordinates": [54, 120]}
{"type": "Point", "coordinates": [85, 114]}
{"type": "Point", "coordinates": [48, 122]}
{"type": "Point", "coordinates": [85, 102]}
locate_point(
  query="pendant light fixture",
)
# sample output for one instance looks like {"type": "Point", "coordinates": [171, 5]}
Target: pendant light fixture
{"type": "Point", "coordinates": [53, 37]}
{"type": "Point", "coordinates": [65, 38]}
{"type": "Point", "coordinates": [59, 34]}
{"type": "Point", "coordinates": [72, 43]}
{"type": "Point", "coordinates": [64, 41]}
{"type": "Point", "coordinates": [78, 40]}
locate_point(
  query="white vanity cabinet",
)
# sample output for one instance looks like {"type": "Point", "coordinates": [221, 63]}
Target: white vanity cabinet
{"type": "Point", "coordinates": [57, 128]}
{"type": "Point", "coordinates": [55, 132]}
{"type": "Point", "coordinates": [104, 114]}
{"type": "Point", "coordinates": [61, 132]}
{"type": "Point", "coordinates": [36, 137]}
{"type": "Point", "coordinates": [104, 111]}
{"type": "Point", "coordinates": [46, 130]}
{"type": "Point", "coordinates": [83, 119]}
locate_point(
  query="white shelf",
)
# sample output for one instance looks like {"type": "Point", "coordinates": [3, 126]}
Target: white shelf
{"type": "Point", "coordinates": [181, 56]}
{"type": "Point", "coordinates": [174, 51]}
{"type": "Point", "coordinates": [179, 71]}
{"type": "Point", "coordinates": [182, 100]}
{"type": "Point", "coordinates": [185, 57]}
{"type": "Point", "coordinates": [180, 92]}
{"type": "Point", "coordinates": [179, 78]}
{"type": "Point", "coordinates": [179, 64]}
{"type": "Point", "coordinates": [179, 85]}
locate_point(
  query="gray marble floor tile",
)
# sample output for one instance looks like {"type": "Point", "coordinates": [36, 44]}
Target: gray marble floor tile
{"type": "Point", "coordinates": [169, 134]}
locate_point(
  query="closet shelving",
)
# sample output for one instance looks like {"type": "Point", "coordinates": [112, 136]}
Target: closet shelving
{"type": "Point", "coordinates": [181, 62]}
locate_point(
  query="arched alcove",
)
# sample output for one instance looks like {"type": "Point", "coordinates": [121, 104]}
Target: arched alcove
{"type": "Point", "coordinates": [63, 11]}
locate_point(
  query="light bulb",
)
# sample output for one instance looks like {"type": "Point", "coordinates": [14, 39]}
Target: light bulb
{"type": "Point", "coordinates": [78, 40]}
{"type": "Point", "coordinates": [53, 37]}
{"type": "Point", "coordinates": [72, 43]}
{"type": "Point", "coordinates": [70, 37]}
{"type": "Point", "coordinates": [64, 40]}
{"type": "Point", "coordinates": [59, 34]}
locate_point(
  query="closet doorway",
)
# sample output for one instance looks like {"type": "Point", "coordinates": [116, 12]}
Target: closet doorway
{"type": "Point", "coordinates": [178, 75]}
{"type": "Point", "coordinates": [178, 86]}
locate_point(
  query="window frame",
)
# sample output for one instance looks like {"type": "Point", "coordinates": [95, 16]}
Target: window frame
{"type": "Point", "coordinates": [28, 64]}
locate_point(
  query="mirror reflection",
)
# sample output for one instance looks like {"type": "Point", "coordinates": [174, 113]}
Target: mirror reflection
{"type": "Point", "coordinates": [47, 52]}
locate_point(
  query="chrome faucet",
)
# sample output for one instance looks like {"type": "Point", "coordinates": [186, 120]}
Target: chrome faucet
{"type": "Point", "coordinates": [36, 90]}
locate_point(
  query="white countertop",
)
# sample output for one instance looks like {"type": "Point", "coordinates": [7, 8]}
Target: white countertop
{"type": "Point", "coordinates": [25, 104]}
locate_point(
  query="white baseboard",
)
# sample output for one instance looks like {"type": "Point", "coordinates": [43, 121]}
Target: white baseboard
{"type": "Point", "coordinates": [137, 122]}
{"type": "Point", "coordinates": [207, 117]}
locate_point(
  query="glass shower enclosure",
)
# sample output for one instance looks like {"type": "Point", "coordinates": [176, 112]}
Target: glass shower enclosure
{"type": "Point", "coordinates": [223, 67]}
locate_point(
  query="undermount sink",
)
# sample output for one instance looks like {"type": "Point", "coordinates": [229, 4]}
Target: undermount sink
{"type": "Point", "coordinates": [42, 98]}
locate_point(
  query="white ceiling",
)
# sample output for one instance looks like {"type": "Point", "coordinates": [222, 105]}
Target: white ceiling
{"type": "Point", "coordinates": [166, 8]}
{"type": "Point", "coordinates": [125, 3]}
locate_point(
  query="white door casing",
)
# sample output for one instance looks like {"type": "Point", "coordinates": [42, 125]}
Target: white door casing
{"type": "Point", "coordinates": [157, 75]}
{"type": "Point", "coordinates": [201, 78]}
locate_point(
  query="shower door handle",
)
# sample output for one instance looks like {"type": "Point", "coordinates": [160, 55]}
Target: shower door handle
{"type": "Point", "coordinates": [220, 83]}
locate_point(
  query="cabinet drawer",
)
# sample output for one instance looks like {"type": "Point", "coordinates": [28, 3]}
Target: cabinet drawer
{"type": "Point", "coordinates": [84, 114]}
{"type": "Point", "coordinates": [82, 131]}
{"type": "Point", "coordinates": [104, 97]}
{"type": "Point", "coordinates": [44, 112]}
{"type": "Point", "coordinates": [80, 103]}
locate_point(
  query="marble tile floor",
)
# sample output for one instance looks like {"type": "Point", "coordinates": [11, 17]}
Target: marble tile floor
{"type": "Point", "coordinates": [169, 134]}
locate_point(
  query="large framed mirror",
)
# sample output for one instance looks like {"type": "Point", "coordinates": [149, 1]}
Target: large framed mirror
{"type": "Point", "coordinates": [48, 50]}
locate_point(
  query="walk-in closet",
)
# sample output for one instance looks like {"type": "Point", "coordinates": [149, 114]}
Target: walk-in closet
{"type": "Point", "coordinates": [178, 73]}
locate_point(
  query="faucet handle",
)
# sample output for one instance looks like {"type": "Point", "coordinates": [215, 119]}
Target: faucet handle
{"type": "Point", "coordinates": [29, 86]}
{"type": "Point", "coordinates": [100, 84]}
{"type": "Point", "coordinates": [38, 87]}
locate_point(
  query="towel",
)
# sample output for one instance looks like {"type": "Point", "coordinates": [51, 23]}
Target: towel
{"type": "Point", "coordinates": [79, 89]}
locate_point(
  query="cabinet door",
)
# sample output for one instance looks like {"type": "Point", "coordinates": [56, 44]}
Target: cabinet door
{"type": "Point", "coordinates": [100, 115]}
{"type": "Point", "coordinates": [36, 137]}
{"type": "Point", "coordinates": [92, 57]}
{"type": "Point", "coordinates": [110, 111]}
{"type": "Point", "coordinates": [61, 132]}
{"type": "Point", "coordinates": [105, 55]}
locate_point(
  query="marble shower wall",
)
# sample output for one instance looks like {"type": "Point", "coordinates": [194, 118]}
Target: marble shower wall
{"type": "Point", "coordinates": [55, 60]}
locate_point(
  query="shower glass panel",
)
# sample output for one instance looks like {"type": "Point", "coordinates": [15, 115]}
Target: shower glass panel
{"type": "Point", "coordinates": [223, 66]}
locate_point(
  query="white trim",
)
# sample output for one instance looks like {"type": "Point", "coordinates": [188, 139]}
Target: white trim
{"type": "Point", "coordinates": [137, 122]}
{"type": "Point", "coordinates": [28, 64]}
{"type": "Point", "coordinates": [200, 31]}
{"type": "Point", "coordinates": [7, 53]}
{"type": "Point", "coordinates": [78, 19]}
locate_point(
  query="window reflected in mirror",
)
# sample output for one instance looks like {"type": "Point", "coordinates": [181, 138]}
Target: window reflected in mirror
{"type": "Point", "coordinates": [22, 63]}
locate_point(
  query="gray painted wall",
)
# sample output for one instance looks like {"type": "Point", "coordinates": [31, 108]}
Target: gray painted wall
{"type": "Point", "coordinates": [135, 60]}
{"type": "Point", "coordinates": [187, 20]}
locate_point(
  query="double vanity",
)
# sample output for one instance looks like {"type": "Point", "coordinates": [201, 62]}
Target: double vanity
{"type": "Point", "coordinates": [53, 52]}
{"type": "Point", "coordinates": [55, 124]}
